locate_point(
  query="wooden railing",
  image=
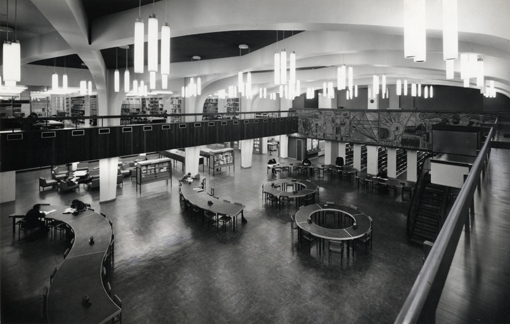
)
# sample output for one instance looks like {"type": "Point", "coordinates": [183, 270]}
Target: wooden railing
{"type": "Point", "coordinates": [421, 303]}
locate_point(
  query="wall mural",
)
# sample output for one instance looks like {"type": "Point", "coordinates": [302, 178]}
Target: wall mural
{"type": "Point", "coordinates": [387, 128]}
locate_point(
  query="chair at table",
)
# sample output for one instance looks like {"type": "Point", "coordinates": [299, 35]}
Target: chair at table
{"type": "Point", "coordinates": [59, 175]}
{"type": "Point", "coordinates": [310, 199]}
{"type": "Point", "coordinates": [25, 227]}
{"type": "Point", "coordinates": [362, 182]}
{"type": "Point", "coordinates": [43, 183]}
{"type": "Point", "coordinates": [335, 247]}
{"type": "Point", "coordinates": [293, 225]}
{"type": "Point", "coordinates": [120, 180]}
{"type": "Point", "coordinates": [223, 220]}
{"type": "Point", "coordinates": [306, 236]}
{"type": "Point", "coordinates": [63, 186]}
{"type": "Point", "coordinates": [405, 189]}
{"type": "Point", "coordinates": [209, 217]}
{"type": "Point", "coordinates": [93, 184]}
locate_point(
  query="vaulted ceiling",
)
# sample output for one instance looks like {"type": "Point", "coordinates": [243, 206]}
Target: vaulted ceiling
{"type": "Point", "coordinates": [367, 34]}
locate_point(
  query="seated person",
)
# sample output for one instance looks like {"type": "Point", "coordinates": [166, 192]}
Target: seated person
{"type": "Point", "coordinates": [339, 161]}
{"type": "Point", "coordinates": [186, 177]}
{"type": "Point", "coordinates": [32, 217]}
{"type": "Point", "coordinates": [382, 173]}
{"type": "Point", "coordinates": [272, 161]}
{"type": "Point", "coordinates": [307, 162]}
{"type": "Point", "coordinates": [78, 205]}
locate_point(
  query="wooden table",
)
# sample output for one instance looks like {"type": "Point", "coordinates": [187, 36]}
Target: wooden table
{"type": "Point", "coordinates": [201, 199]}
{"type": "Point", "coordinates": [81, 271]}
{"type": "Point", "coordinates": [304, 216]}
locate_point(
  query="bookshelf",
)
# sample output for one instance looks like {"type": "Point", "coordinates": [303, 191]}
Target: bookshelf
{"type": "Point", "coordinates": [152, 171]}
{"type": "Point", "coordinates": [175, 107]}
{"type": "Point", "coordinates": [232, 108]}
{"type": "Point", "coordinates": [219, 159]}
{"type": "Point", "coordinates": [257, 146]}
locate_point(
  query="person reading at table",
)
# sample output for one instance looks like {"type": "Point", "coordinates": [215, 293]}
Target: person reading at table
{"type": "Point", "coordinates": [307, 162]}
{"type": "Point", "coordinates": [273, 171]}
{"type": "Point", "coordinates": [185, 177]}
{"type": "Point", "coordinates": [33, 216]}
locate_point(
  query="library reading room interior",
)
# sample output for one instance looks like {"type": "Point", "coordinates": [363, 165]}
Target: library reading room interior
{"type": "Point", "coordinates": [216, 161]}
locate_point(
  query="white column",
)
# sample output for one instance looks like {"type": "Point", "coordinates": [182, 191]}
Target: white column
{"type": "Point", "coordinates": [394, 99]}
{"type": "Point", "coordinates": [392, 162]}
{"type": "Point", "coordinates": [341, 150]}
{"type": "Point", "coordinates": [356, 156]}
{"type": "Point", "coordinates": [246, 153]}
{"type": "Point", "coordinates": [108, 179]}
{"type": "Point", "coordinates": [189, 108]}
{"type": "Point", "coordinates": [264, 145]}
{"type": "Point", "coordinates": [331, 152]}
{"type": "Point", "coordinates": [192, 159]}
{"type": "Point", "coordinates": [372, 159]}
{"type": "Point", "coordinates": [8, 186]}
{"type": "Point", "coordinates": [412, 165]}
{"type": "Point", "coordinates": [284, 146]}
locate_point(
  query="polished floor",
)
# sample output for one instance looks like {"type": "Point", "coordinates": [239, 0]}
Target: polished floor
{"type": "Point", "coordinates": [477, 289]}
{"type": "Point", "coordinates": [170, 268]}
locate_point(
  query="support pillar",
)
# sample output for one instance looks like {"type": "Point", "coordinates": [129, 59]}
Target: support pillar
{"type": "Point", "coordinates": [331, 152]}
{"type": "Point", "coordinates": [412, 165]}
{"type": "Point", "coordinates": [356, 156]}
{"type": "Point", "coordinates": [284, 146]}
{"type": "Point", "coordinates": [108, 179]}
{"type": "Point", "coordinates": [246, 153]}
{"type": "Point", "coordinates": [392, 162]}
{"type": "Point", "coordinates": [192, 159]}
{"type": "Point", "coordinates": [264, 145]}
{"type": "Point", "coordinates": [341, 151]}
{"type": "Point", "coordinates": [8, 186]}
{"type": "Point", "coordinates": [372, 159]}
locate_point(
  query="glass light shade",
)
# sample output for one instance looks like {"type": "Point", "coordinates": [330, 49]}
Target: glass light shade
{"type": "Point", "coordinates": [265, 93]}
{"type": "Point", "coordinates": [165, 49]}
{"type": "Point", "coordinates": [54, 81]}
{"type": "Point", "coordinates": [431, 92]}
{"type": "Point", "coordinates": [472, 65]}
{"type": "Point", "coordinates": [292, 77]}
{"type": "Point", "coordinates": [450, 30]}
{"type": "Point", "coordinates": [260, 92]}
{"type": "Point", "coordinates": [11, 61]}
{"type": "Point", "coordinates": [324, 89]}
{"type": "Point", "coordinates": [421, 32]}
{"type": "Point", "coordinates": [64, 82]}
{"type": "Point", "coordinates": [464, 62]}
{"type": "Point", "coordinates": [152, 44]}
{"type": "Point", "coordinates": [356, 91]}
{"type": "Point", "coordinates": [331, 90]}
{"type": "Point", "coordinates": [350, 77]}
{"type": "Point", "coordinates": [492, 89]}
{"type": "Point", "coordinates": [183, 91]}
{"type": "Point", "coordinates": [116, 80]}
{"type": "Point", "coordinates": [418, 88]}
{"type": "Point", "coordinates": [405, 87]}
{"type": "Point", "coordinates": [347, 94]}
{"type": "Point", "coordinates": [141, 86]}
{"type": "Point", "coordinates": [479, 74]}
{"type": "Point", "coordinates": [126, 81]}
{"type": "Point", "coordinates": [83, 87]}
{"type": "Point", "coordinates": [135, 86]}
{"type": "Point", "coordinates": [199, 86]}
{"type": "Point", "coordinates": [466, 83]}
{"type": "Point", "coordinates": [286, 91]}
{"type": "Point", "coordinates": [375, 84]}
{"type": "Point", "coordinates": [89, 90]}
{"type": "Point", "coordinates": [370, 94]}
{"type": "Point", "coordinates": [139, 46]}
{"type": "Point", "coordinates": [413, 89]}
{"type": "Point", "coordinates": [410, 28]}
{"type": "Point", "coordinates": [283, 67]}
{"type": "Point", "coordinates": [383, 83]}
{"type": "Point", "coordinates": [145, 91]}
{"type": "Point", "coordinates": [340, 82]}
{"type": "Point", "coordinates": [164, 81]}
{"type": "Point", "coordinates": [281, 91]}
{"type": "Point", "coordinates": [399, 87]}
{"type": "Point", "coordinates": [277, 68]}
{"type": "Point", "coordinates": [240, 80]}
{"type": "Point", "coordinates": [0, 82]}
{"type": "Point", "coordinates": [450, 72]}
{"type": "Point", "coordinates": [298, 88]}
{"type": "Point", "coordinates": [426, 92]}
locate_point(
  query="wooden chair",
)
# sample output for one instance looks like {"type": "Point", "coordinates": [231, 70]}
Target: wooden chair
{"type": "Point", "coordinates": [335, 247]}
{"type": "Point", "coordinates": [25, 227]}
{"type": "Point", "coordinates": [62, 186]}
{"type": "Point", "coordinates": [43, 183]}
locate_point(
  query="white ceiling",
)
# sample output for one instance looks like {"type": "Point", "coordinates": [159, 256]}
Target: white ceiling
{"type": "Point", "coordinates": [367, 34]}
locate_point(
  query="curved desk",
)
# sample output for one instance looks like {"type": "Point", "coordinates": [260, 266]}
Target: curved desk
{"type": "Point", "coordinates": [274, 188]}
{"type": "Point", "coordinates": [364, 223]}
{"type": "Point", "coordinates": [201, 199]}
{"type": "Point", "coordinates": [80, 272]}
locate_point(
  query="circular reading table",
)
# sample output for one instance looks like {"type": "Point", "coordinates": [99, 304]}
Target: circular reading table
{"type": "Point", "coordinates": [290, 188]}
{"type": "Point", "coordinates": [349, 223]}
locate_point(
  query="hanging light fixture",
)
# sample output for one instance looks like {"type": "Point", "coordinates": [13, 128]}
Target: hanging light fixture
{"type": "Point", "coordinates": [415, 33]}
{"type": "Point", "coordinates": [54, 77]}
{"type": "Point", "coordinates": [116, 74]}
{"type": "Point", "coordinates": [421, 40]}
{"type": "Point", "coordinates": [399, 87]}
{"type": "Point", "coordinates": [135, 86]}
{"type": "Point", "coordinates": [356, 91]}
{"type": "Point", "coordinates": [413, 89]}
{"type": "Point", "coordinates": [383, 83]}
{"type": "Point", "coordinates": [64, 76]}
{"type": "Point", "coordinates": [283, 67]}
{"type": "Point", "coordinates": [83, 84]}
{"type": "Point", "coordinates": [152, 80]}
{"type": "Point", "coordinates": [139, 41]}
{"type": "Point", "coordinates": [450, 66]}
{"type": "Point", "coordinates": [165, 47]}
{"type": "Point", "coordinates": [480, 74]}
{"type": "Point", "coordinates": [292, 76]}
{"type": "Point", "coordinates": [152, 44]}
{"type": "Point", "coordinates": [450, 30]}
{"type": "Point", "coordinates": [375, 84]}
{"type": "Point", "coordinates": [11, 51]}
{"type": "Point", "coordinates": [418, 86]}
{"type": "Point", "coordinates": [199, 86]}
{"type": "Point", "coordinates": [431, 92]}
{"type": "Point", "coordinates": [341, 75]}
{"type": "Point", "coordinates": [350, 80]}
{"type": "Point", "coordinates": [126, 73]}
{"type": "Point", "coordinates": [89, 90]}
{"type": "Point", "coordinates": [277, 72]}
{"type": "Point", "coordinates": [426, 92]}
{"type": "Point", "coordinates": [405, 87]}
{"type": "Point", "coordinates": [466, 83]}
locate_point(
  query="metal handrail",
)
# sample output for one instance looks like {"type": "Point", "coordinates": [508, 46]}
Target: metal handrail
{"type": "Point", "coordinates": [424, 295]}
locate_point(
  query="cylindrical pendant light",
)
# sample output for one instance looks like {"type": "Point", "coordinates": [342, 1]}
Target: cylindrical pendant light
{"type": "Point", "coordinates": [375, 84]}
{"type": "Point", "coordinates": [464, 65]}
{"type": "Point", "coordinates": [277, 71]}
{"type": "Point", "coordinates": [413, 89]}
{"type": "Point", "coordinates": [265, 93]}
{"type": "Point", "coordinates": [405, 87]}
{"type": "Point", "coordinates": [139, 46]}
{"type": "Point", "coordinates": [370, 93]}
{"type": "Point", "coordinates": [450, 72]}
{"type": "Point", "coordinates": [283, 67]}
{"type": "Point", "coordinates": [431, 92]}
{"type": "Point", "coordinates": [480, 74]}
{"type": "Point", "coordinates": [152, 80]}
{"type": "Point", "coordinates": [466, 83]}
{"type": "Point", "coordinates": [421, 28]}
{"type": "Point", "coordinates": [410, 28]}
{"type": "Point", "coordinates": [324, 89]}
{"type": "Point", "coordinates": [165, 49]}
{"type": "Point", "coordinates": [383, 83]}
{"type": "Point", "coordinates": [347, 97]}
{"type": "Point", "coordinates": [426, 92]}
{"type": "Point", "coordinates": [418, 88]}
{"type": "Point", "coordinates": [450, 30]}
{"type": "Point", "coordinates": [292, 79]}
{"type": "Point", "coordinates": [356, 91]}
{"type": "Point", "coordinates": [350, 78]}
{"type": "Point", "coordinates": [89, 90]}
{"type": "Point", "coordinates": [64, 82]}
{"type": "Point", "coordinates": [116, 78]}
{"type": "Point", "coordinates": [240, 80]}
{"type": "Point", "coordinates": [83, 87]}
{"type": "Point", "coordinates": [341, 76]}
{"type": "Point", "coordinates": [152, 44]}
{"type": "Point", "coordinates": [54, 81]}
{"type": "Point", "coordinates": [399, 87]}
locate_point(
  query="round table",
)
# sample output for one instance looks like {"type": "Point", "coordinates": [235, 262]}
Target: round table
{"type": "Point", "coordinates": [275, 188]}
{"type": "Point", "coordinates": [304, 222]}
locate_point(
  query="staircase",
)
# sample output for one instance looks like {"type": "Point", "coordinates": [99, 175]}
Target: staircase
{"type": "Point", "coordinates": [429, 213]}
